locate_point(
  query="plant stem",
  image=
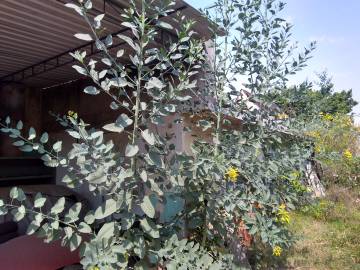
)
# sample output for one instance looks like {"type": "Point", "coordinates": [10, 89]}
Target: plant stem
{"type": "Point", "coordinates": [220, 89]}
{"type": "Point", "coordinates": [222, 81]}
{"type": "Point", "coordinates": [138, 85]}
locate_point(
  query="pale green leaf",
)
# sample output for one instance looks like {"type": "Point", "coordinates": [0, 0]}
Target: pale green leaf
{"type": "Point", "coordinates": [84, 228]}
{"type": "Point", "coordinates": [143, 175]}
{"type": "Point", "coordinates": [149, 227]}
{"type": "Point", "coordinates": [154, 83]}
{"type": "Point", "coordinates": [18, 143]}
{"type": "Point", "coordinates": [85, 37]}
{"type": "Point", "coordinates": [128, 40]}
{"type": "Point", "coordinates": [131, 150]}
{"type": "Point", "coordinates": [32, 228]}
{"type": "Point", "coordinates": [113, 128]}
{"type": "Point", "coordinates": [44, 138]}
{"type": "Point", "coordinates": [148, 136]}
{"type": "Point", "coordinates": [107, 209]}
{"type": "Point", "coordinates": [99, 18]}
{"type": "Point", "coordinates": [106, 231]}
{"type": "Point", "coordinates": [148, 207]}
{"type": "Point", "coordinates": [73, 213]}
{"type": "Point", "coordinates": [164, 25]}
{"type": "Point", "coordinates": [123, 121]}
{"type": "Point", "coordinates": [80, 70]}
{"type": "Point", "coordinates": [58, 206]}
{"type": "Point", "coordinates": [17, 194]}
{"type": "Point", "coordinates": [26, 148]}
{"type": "Point", "coordinates": [74, 242]}
{"type": "Point", "coordinates": [32, 134]}
{"type": "Point", "coordinates": [39, 201]}
{"type": "Point", "coordinates": [120, 53]}
{"type": "Point", "coordinates": [91, 90]}
{"type": "Point", "coordinates": [57, 146]}
{"type": "Point", "coordinates": [75, 7]}
{"type": "Point", "coordinates": [18, 213]}
{"type": "Point", "coordinates": [19, 125]}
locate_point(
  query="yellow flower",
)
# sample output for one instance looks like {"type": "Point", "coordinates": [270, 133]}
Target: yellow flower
{"type": "Point", "coordinates": [348, 122]}
{"type": "Point", "coordinates": [347, 154]}
{"type": "Point", "coordinates": [282, 116]}
{"type": "Point", "coordinates": [232, 174]}
{"type": "Point", "coordinates": [317, 149]}
{"type": "Point", "coordinates": [277, 251]}
{"type": "Point", "coordinates": [295, 174]}
{"type": "Point", "coordinates": [72, 115]}
{"type": "Point", "coordinates": [313, 134]}
{"type": "Point", "coordinates": [94, 268]}
{"type": "Point", "coordinates": [283, 216]}
{"type": "Point", "coordinates": [327, 117]}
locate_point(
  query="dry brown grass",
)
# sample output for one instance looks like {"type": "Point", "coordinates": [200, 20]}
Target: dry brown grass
{"type": "Point", "coordinates": [329, 233]}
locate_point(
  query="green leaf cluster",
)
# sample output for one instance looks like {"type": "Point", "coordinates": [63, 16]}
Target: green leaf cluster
{"type": "Point", "coordinates": [226, 192]}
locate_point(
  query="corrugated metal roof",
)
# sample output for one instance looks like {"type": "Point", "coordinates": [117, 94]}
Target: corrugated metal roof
{"type": "Point", "coordinates": [34, 33]}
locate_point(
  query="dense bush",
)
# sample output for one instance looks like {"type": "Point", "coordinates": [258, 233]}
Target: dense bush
{"type": "Point", "coordinates": [337, 148]}
{"type": "Point", "coordinates": [237, 186]}
{"type": "Point", "coordinates": [325, 116]}
{"type": "Point", "coordinates": [309, 99]}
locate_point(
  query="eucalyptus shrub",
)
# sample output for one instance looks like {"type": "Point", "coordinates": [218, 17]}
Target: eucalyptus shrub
{"type": "Point", "coordinates": [125, 231]}
{"type": "Point", "coordinates": [246, 183]}
{"type": "Point", "coordinates": [237, 189]}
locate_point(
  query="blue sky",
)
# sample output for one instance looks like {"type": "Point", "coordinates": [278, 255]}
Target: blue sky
{"type": "Point", "coordinates": [335, 25]}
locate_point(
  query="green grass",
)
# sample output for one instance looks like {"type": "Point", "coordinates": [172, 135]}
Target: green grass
{"type": "Point", "coordinates": [328, 233]}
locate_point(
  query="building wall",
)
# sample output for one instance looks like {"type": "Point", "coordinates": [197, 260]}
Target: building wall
{"type": "Point", "coordinates": [36, 106]}
{"type": "Point", "coordinates": [20, 103]}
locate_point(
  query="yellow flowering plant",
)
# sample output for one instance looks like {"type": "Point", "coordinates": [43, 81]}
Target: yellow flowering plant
{"type": "Point", "coordinates": [327, 117]}
{"type": "Point", "coordinates": [232, 174]}
{"type": "Point", "coordinates": [337, 147]}
{"type": "Point", "coordinates": [282, 116]}
{"type": "Point", "coordinates": [282, 215]}
{"type": "Point", "coordinates": [348, 155]}
{"type": "Point", "coordinates": [277, 250]}
{"type": "Point", "coordinates": [72, 114]}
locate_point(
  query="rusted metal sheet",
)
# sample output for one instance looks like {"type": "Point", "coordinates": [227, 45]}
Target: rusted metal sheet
{"type": "Point", "coordinates": [36, 37]}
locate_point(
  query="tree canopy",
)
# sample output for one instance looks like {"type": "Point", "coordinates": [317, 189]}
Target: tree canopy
{"type": "Point", "coordinates": [306, 100]}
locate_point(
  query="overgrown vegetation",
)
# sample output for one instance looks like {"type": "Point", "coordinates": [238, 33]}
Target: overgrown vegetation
{"type": "Point", "coordinates": [309, 99]}
{"type": "Point", "coordinates": [239, 182]}
{"type": "Point", "coordinates": [327, 229]}
{"type": "Point", "coordinates": [328, 232]}
{"type": "Point", "coordinates": [325, 116]}
{"type": "Point", "coordinates": [337, 149]}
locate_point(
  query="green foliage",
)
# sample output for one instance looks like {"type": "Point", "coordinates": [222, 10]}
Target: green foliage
{"type": "Point", "coordinates": [238, 186]}
{"type": "Point", "coordinates": [328, 232]}
{"type": "Point", "coordinates": [262, 151]}
{"type": "Point", "coordinates": [324, 115]}
{"type": "Point", "coordinates": [318, 210]}
{"type": "Point", "coordinates": [187, 255]}
{"type": "Point", "coordinates": [304, 101]}
{"type": "Point", "coordinates": [336, 144]}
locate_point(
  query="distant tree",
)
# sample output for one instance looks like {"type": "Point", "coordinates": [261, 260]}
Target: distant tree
{"type": "Point", "coordinates": [306, 101]}
{"type": "Point", "coordinates": [325, 83]}
{"type": "Point", "coordinates": [334, 102]}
